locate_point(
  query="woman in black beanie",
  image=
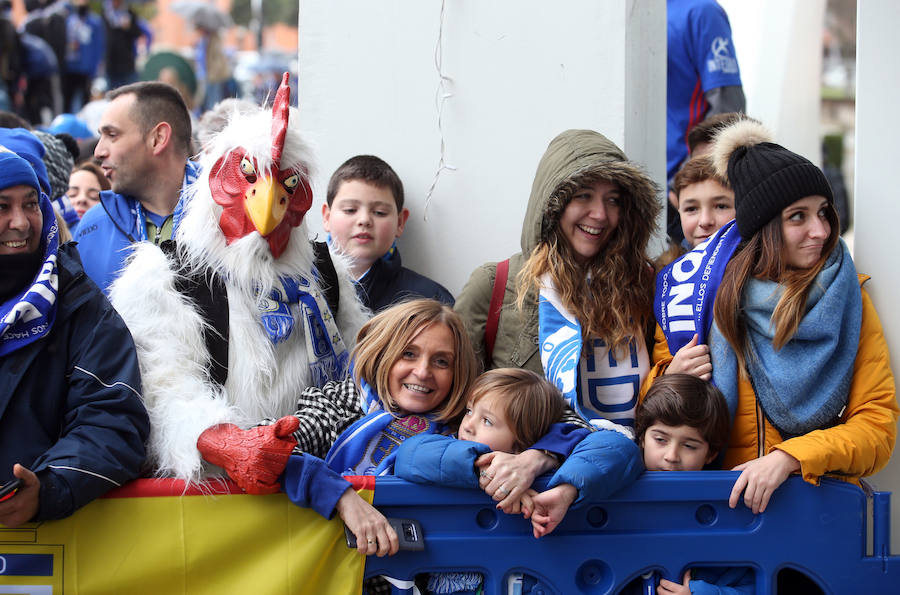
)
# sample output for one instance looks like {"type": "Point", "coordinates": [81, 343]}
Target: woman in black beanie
{"type": "Point", "coordinates": [796, 346]}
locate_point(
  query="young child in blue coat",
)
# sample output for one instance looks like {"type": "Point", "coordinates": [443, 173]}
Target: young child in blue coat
{"type": "Point", "coordinates": [682, 425]}
{"type": "Point", "coordinates": [507, 410]}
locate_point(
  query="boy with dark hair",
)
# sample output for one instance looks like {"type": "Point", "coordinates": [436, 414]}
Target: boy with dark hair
{"type": "Point", "coordinates": [682, 425]}
{"type": "Point", "coordinates": [364, 215]}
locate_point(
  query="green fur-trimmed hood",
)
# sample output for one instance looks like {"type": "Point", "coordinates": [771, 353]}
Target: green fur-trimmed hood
{"type": "Point", "coordinates": [574, 153]}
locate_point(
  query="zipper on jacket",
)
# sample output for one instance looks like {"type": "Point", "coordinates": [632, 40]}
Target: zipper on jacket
{"type": "Point", "coordinates": [760, 432]}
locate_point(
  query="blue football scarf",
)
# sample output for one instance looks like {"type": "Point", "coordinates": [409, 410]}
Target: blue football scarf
{"type": "Point", "coordinates": [369, 445]}
{"type": "Point", "coordinates": [328, 356]}
{"type": "Point", "coordinates": [686, 288]}
{"type": "Point", "coordinates": [560, 343]}
{"type": "Point", "coordinates": [29, 315]}
{"type": "Point", "coordinates": [191, 173]}
{"type": "Point", "coordinates": [805, 385]}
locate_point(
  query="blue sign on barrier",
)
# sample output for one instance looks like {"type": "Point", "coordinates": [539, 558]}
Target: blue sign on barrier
{"type": "Point", "coordinates": [26, 564]}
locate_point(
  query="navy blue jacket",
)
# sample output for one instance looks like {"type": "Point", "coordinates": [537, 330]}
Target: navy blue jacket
{"type": "Point", "coordinates": [601, 464]}
{"type": "Point", "coordinates": [388, 282]}
{"type": "Point", "coordinates": [70, 404]}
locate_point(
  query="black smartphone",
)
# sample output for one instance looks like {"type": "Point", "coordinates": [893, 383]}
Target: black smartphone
{"type": "Point", "coordinates": [409, 531]}
{"type": "Point", "coordinates": [9, 489]}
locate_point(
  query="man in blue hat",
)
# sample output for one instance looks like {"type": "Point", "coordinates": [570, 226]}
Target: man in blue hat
{"type": "Point", "coordinates": [72, 422]}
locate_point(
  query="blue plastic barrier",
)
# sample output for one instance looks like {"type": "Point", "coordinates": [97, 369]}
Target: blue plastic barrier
{"type": "Point", "coordinates": [665, 522]}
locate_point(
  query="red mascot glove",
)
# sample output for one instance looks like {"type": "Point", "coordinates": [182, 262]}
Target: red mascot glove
{"type": "Point", "coordinates": [253, 458]}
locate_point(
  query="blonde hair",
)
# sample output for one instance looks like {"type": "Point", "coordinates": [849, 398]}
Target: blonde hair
{"type": "Point", "coordinates": [382, 341]}
{"type": "Point", "coordinates": [530, 402]}
{"type": "Point", "coordinates": [612, 295]}
{"type": "Point", "coordinates": [762, 257]}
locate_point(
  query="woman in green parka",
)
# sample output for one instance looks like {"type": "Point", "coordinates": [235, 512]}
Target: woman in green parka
{"type": "Point", "coordinates": [578, 297]}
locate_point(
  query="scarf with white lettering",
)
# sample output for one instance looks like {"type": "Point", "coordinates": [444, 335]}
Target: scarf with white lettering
{"type": "Point", "coordinates": [29, 315]}
{"type": "Point", "coordinates": [686, 288]}
{"type": "Point", "coordinates": [609, 386]}
{"type": "Point", "coordinates": [369, 445]}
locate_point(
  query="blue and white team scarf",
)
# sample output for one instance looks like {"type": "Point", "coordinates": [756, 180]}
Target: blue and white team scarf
{"type": "Point", "coordinates": [328, 356]}
{"type": "Point", "coordinates": [686, 288]}
{"type": "Point", "coordinates": [29, 315]}
{"type": "Point", "coordinates": [598, 387]}
{"type": "Point", "coordinates": [369, 446]}
{"type": "Point", "coordinates": [191, 173]}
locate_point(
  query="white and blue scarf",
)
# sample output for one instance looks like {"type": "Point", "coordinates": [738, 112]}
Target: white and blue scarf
{"type": "Point", "coordinates": [369, 445]}
{"type": "Point", "coordinates": [191, 173]}
{"type": "Point", "coordinates": [29, 315]}
{"type": "Point", "coordinates": [328, 356]}
{"type": "Point", "coordinates": [805, 385]}
{"type": "Point", "coordinates": [599, 386]}
{"type": "Point", "coordinates": [686, 288]}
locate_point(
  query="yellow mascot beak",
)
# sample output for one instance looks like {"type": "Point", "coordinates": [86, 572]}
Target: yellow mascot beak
{"type": "Point", "coordinates": [266, 202]}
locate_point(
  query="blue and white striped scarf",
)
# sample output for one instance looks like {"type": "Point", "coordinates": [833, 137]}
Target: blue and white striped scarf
{"type": "Point", "coordinates": [369, 445]}
{"type": "Point", "coordinates": [29, 315]}
{"type": "Point", "coordinates": [328, 356]}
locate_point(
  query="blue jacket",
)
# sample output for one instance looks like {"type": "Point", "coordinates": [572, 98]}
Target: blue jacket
{"type": "Point", "coordinates": [388, 282]}
{"type": "Point", "coordinates": [70, 404]}
{"type": "Point", "coordinates": [602, 463]}
{"type": "Point", "coordinates": [107, 230]}
{"type": "Point", "coordinates": [85, 43]}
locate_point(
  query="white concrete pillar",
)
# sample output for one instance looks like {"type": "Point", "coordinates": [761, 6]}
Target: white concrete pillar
{"type": "Point", "coordinates": [877, 210]}
{"type": "Point", "coordinates": [519, 71]}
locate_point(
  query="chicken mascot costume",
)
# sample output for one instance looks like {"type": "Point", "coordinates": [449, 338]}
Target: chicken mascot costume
{"type": "Point", "coordinates": [241, 312]}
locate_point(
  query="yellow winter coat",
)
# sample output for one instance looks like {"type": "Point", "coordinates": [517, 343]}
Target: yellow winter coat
{"type": "Point", "coordinates": [859, 446]}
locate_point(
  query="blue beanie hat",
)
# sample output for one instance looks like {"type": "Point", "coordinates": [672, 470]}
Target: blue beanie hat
{"type": "Point", "coordinates": [15, 171]}
{"type": "Point", "coordinates": [30, 148]}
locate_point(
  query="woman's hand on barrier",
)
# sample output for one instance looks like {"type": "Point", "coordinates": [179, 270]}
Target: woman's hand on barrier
{"type": "Point", "coordinates": [505, 477]}
{"type": "Point", "coordinates": [760, 478]}
{"type": "Point", "coordinates": [550, 508]}
{"type": "Point", "coordinates": [23, 505]}
{"type": "Point", "coordinates": [667, 587]}
{"type": "Point", "coordinates": [692, 359]}
{"type": "Point", "coordinates": [374, 535]}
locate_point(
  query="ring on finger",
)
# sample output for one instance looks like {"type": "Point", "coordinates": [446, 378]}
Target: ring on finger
{"type": "Point", "coordinates": [483, 473]}
{"type": "Point", "coordinates": [503, 490]}
{"type": "Point", "coordinates": [371, 541]}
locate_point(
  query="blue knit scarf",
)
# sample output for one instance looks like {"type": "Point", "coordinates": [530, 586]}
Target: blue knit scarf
{"type": "Point", "coordinates": [191, 173]}
{"type": "Point", "coordinates": [369, 445]}
{"type": "Point", "coordinates": [29, 315]}
{"type": "Point", "coordinates": [805, 385]}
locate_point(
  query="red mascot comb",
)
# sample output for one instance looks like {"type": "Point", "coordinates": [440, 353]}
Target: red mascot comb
{"type": "Point", "coordinates": [280, 112]}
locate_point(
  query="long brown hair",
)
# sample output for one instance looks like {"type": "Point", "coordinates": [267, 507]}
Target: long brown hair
{"type": "Point", "coordinates": [762, 257]}
{"type": "Point", "coordinates": [384, 338]}
{"type": "Point", "coordinates": [617, 302]}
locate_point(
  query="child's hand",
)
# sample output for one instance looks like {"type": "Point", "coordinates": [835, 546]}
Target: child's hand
{"type": "Point", "coordinates": [760, 478]}
{"type": "Point", "coordinates": [670, 587]}
{"type": "Point", "coordinates": [527, 503]}
{"type": "Point", "coordinates": [550, 507]}
{"type": "Point", "coordinates": [692, 359]}
{"type": "Point", "coordinates": [505, 477]}
{"type": "Point", "coordinates": [374, 535]}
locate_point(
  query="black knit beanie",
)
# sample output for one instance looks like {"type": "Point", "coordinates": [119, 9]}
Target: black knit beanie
{"type": "Point", "coordinates": [766, 177]}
